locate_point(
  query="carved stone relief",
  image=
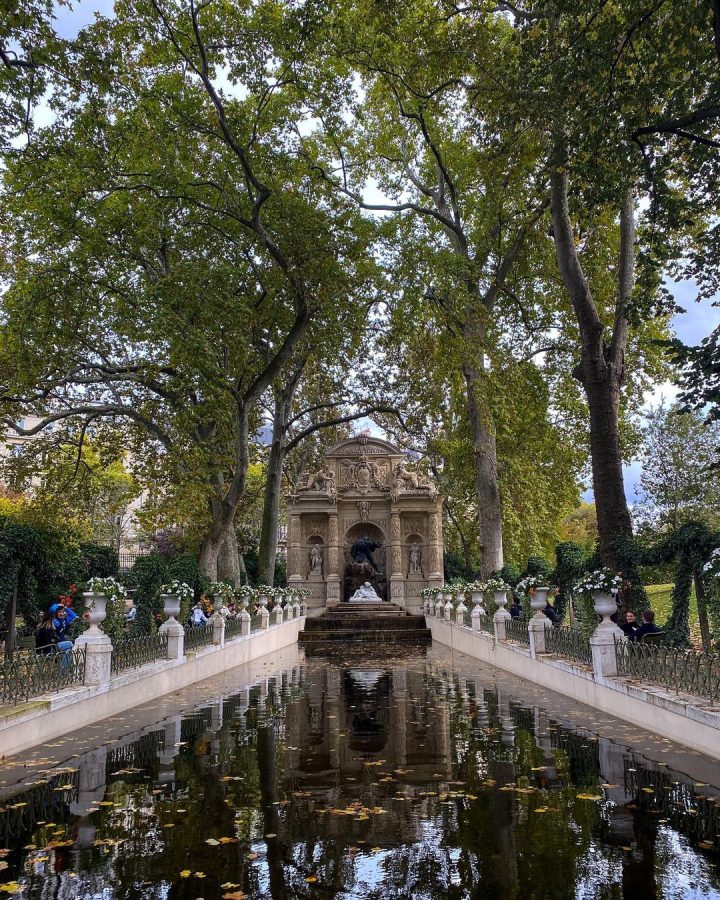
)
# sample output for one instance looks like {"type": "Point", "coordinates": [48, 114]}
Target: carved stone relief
{"type": "Point", "coordinates": [314, 525]}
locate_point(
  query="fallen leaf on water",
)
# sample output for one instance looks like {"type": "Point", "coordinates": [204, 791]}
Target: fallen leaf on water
{"type": "Point", "coordinates": [212, 842]}
{"type": "Point", "coordinates": [311, 879]}
{"type": "Point", "coordinates": [186, 873]}
{"type": "Point", "coordinates": [588, 797]}
{"type": "Point", "coordinates": [238, 895]}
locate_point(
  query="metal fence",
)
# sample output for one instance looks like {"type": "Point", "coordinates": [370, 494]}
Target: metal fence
{"type": "Point", "coordinates": [568, 642]}
{"type": "Point", "coordinates": [233, 627]}
{"type": "Point", "coordinates": [678, 670]}
{"type": "Point", "coordinates": [130, 652]}
{"type": "Point", "coordinates": [517, 630]}
{"type": "Point", "coordinates": [32, 674]}
{"type": "Point", "coordinates": [485, 623]}
{"type": "Point", "coordinates": [198, 636]}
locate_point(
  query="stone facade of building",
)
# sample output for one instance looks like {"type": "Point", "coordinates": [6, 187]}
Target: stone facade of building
{"type": "Point", "coordinates": [365, 489]}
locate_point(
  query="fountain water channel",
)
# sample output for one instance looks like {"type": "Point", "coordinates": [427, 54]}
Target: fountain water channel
{"type": "Point", "coordinates": [416, 775]}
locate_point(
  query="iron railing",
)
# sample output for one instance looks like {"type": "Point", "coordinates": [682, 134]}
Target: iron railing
{"type": "Point", "coordinates": [484, 623]}
{"type": "Point", "coordinates": [32, 674]}
{"type": "Point", "coordinates": [679, 670]}
{"type": "Point", "coordinates": [517, 630]}
{"type": "Point", "coordinates": [130, 652]}
{"type": "Point", "coordinates": [198, 636]}
{"type": "Point", "coordinates": [233, 627]}
{"type": "Point", "coordinates": [568, 642]}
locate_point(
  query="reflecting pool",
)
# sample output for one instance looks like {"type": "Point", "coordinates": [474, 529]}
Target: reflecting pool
{"type": "Point", "coordinates": [412, 776]}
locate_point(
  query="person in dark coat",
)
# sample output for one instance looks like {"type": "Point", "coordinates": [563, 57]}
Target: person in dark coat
{"type": "Point", "coordinates": [630, 626]}
{"type": "Point", "coordinates": [516, 609]}
{"type": "Point", "coordinates": [648, 626]}
{"type": "Point", "coordinates": [551, 613]}
{"type": "Point", "coordinates": [48, 640]}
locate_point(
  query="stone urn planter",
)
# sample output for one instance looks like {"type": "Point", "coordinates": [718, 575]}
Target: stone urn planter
{"type": "Point", "coordinates": [95, 605]}
{"type": "Point", "coordinates": [500, 599]}
{"type": "Point", "coordinates": [605, 605]}
{"type": "Point", "coordinates": [538, 601]}
{"type": "Point", "coordinates": [171, 606]}
{"type": "Point", "coordinates": [477, 600]}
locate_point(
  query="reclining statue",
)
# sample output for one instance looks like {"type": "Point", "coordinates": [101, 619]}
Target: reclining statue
{"type": "Point", "coordinates": [366, 592]}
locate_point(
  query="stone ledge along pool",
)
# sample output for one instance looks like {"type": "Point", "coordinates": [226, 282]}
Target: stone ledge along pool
{"type": "Point", "coordinates": [417, 774]}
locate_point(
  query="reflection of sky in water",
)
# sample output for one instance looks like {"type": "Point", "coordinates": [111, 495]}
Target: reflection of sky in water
{"type": "Point", "coordinates": [425, 778]}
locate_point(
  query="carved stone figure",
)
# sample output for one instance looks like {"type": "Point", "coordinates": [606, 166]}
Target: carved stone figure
{"type": "Point", "coordinates": [362, 550]}
{"type": "Point", "coordinates": [316, 560]}
{"type": "Point", "coordinates": [364, 508]}
{"type": "Point", "coordinates": [323, 480]}
{"type": "Point", "coordinates": [366, 593]}
{"type": "Point", "coordinates": [415, 558]}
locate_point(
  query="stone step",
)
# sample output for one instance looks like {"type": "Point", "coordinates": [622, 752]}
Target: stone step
{"type": "Point", "coordinates": [393, 635]}
{"type": "Point", "coordinates": [365, 624]}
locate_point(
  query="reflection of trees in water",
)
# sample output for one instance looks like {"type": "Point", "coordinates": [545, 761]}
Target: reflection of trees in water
{"type": "Point", "coordinates": [20, 812]}
{"type": "Point", "coordinates": [239, 778]}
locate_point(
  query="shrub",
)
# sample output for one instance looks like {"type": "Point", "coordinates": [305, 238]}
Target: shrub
{"type": "Point", "coordinates": [146, 576]}
{"type": "Point", "coordinates": [96, 561]}
{"type": "Point", "coordinates": [571, 559]}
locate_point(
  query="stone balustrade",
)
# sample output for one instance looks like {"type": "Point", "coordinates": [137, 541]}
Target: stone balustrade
{"type": "Point", "coordinates": [602, 671]}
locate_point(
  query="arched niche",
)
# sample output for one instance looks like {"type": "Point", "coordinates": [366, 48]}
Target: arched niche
{"type": "Point", "coordinates": [415, 538]}
{"type": "Point", "coordinates": [369, 530]}
{"type": "Point", "coordinates": [351, 579]}
{"type": "Point", "coordinates": [315, 541]}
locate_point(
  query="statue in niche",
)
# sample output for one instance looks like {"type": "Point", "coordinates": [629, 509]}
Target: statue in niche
{"type": "Point", "coordinates": [362, 550]}
{"type": "Point", "coordinates": [415, 558]}
{"type": "Point", "coordinates": [316, 560]}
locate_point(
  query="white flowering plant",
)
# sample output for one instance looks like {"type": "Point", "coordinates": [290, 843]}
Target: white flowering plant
{"type": "Point", "coordinates": [179, 589]}
{"type": "Point", "coordinates": [476, 586]}
{"type": "Point", "coordinates": [222, 592]}
{"type": "Point", "coordinates": [712, 567]}
{"type": "Point", "coordinates": [496, 583]}
{"type": "Point", "coordinates": [116, 593]}
{"type": "Point", "coordinates": [530, 584]}
{"type": "Point", "coordinates": [604, 580]}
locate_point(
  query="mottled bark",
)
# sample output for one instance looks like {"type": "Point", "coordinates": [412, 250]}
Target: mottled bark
{"type": "Point", "coordinates": [489, 507]}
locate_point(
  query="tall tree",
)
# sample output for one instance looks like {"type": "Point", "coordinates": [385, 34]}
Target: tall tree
{"type": "Point", "coordinates": [167, 252]}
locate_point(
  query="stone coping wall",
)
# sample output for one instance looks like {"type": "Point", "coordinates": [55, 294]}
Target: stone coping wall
{"type": "Point", "coordinates": [44, 718]}
{"type": "Point", "coordinates": [682, 718]}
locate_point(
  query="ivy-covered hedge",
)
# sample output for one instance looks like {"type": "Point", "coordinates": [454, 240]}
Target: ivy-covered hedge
{"type": "Point", "coordinates": [46, 560]}
{"type": "Point", "coordinates": [147, 576]}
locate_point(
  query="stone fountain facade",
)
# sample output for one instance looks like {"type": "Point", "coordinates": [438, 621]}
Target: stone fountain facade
{"type": "Point", "coordinates": [364, 489]}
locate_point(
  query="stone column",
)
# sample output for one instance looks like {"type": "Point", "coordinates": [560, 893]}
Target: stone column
{"type": "Point", "coordinates": [174, 630]}
{"type": "Point", "coordinates": [218, 624]}
{"type": "Point", "coordinates": [435, 563]}
{"type": "Point", "coordinates": [97, 644]}
{"type": "Point", "coordinates": [501, 615]}
{"type": "Point", "coordinates": [397, 580]}
{"type": "Point", "coordinates": [602, 641]}
{"type": "Point", "coordinates": [332, 575]}
{"type": "Point", "coordinates": [294, 563]}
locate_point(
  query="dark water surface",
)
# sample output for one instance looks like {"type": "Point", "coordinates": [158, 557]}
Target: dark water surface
{"type": "Point", "coordinates": [413, 776]}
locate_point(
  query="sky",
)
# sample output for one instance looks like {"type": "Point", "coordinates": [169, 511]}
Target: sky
{"type": "Point", "coordinates": [698, 320]}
